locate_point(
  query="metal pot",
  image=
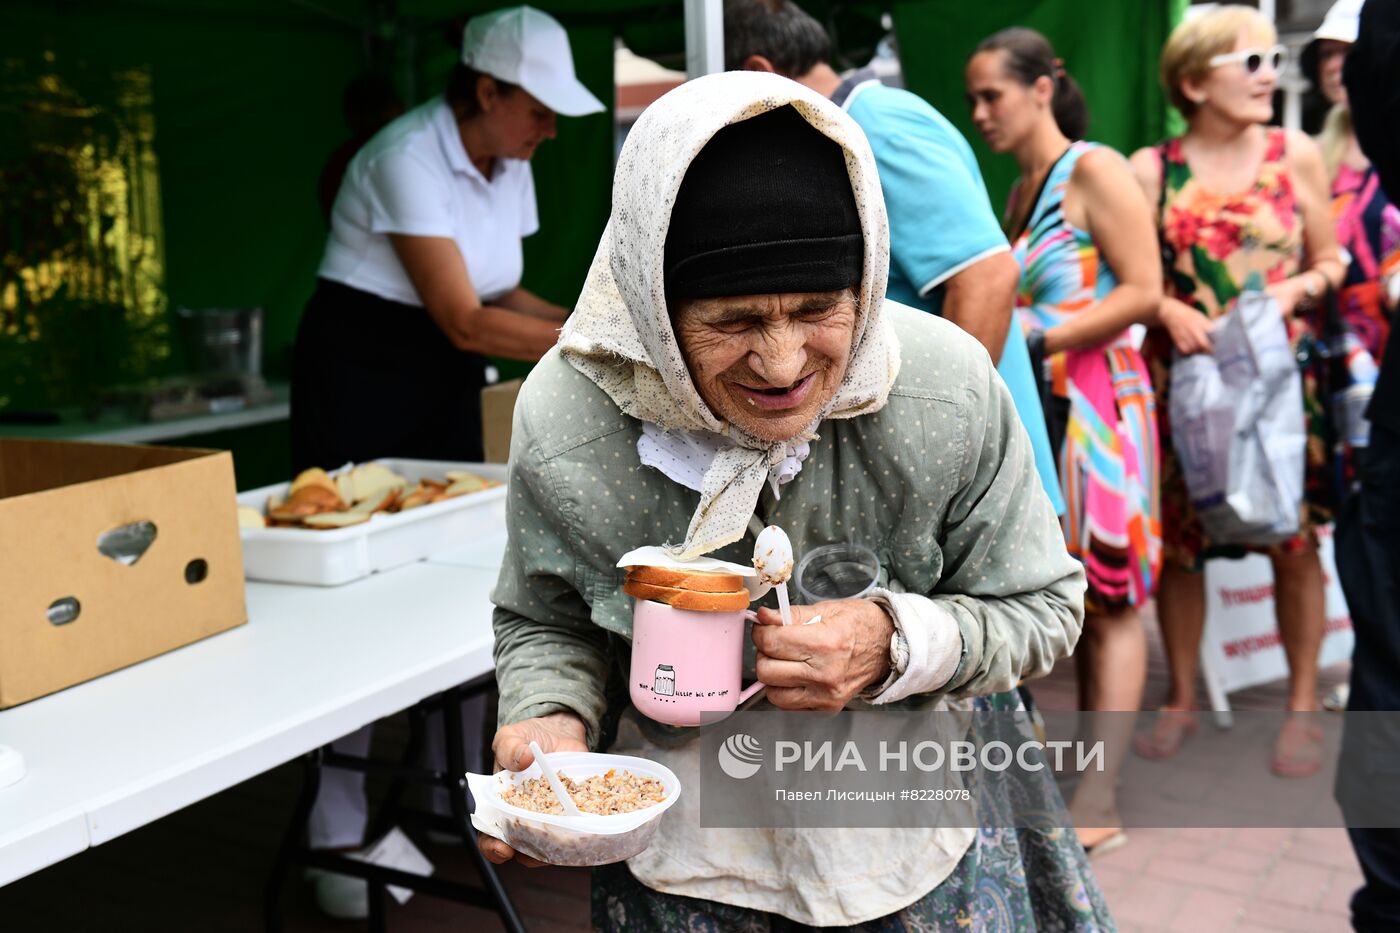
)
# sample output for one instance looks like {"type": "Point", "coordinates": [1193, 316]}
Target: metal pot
{"type": "Point", "coordinates": [222, 341]}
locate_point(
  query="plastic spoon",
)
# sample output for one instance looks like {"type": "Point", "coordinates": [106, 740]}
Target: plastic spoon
{"type": "Point", "coordinates": [772, 558]}
{"type": "Point", "coordinates": [565, 801]}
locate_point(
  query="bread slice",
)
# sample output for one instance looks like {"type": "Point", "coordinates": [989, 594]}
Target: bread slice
{"type": "Point", "coordinates": [325, 500]}
{"type": "Point", "coordinates": [467, 484]}
{"type": "Point", "coordinates": [312, 476]}
{"type": "Point", "coordinates": [379, 502]}
{"type": "Point", "coordinates": [419, 496]}
{"type": "Point", "coordinates": [700, 581]}
{"type": "Point", "coordinates": [335, 519]}
{"type": "Point", "coordinates": [250, 518]}
{"type": "Point", "coordinates": [370, 479]}
{"type": "Point", "coordinates": [345, 485]}
{"type": "Point", "coordinates": [688, 599]}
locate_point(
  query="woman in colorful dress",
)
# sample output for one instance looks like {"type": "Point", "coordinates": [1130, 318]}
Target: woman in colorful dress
{"type": "Point", "coordinates": [1241, 205]}
{"type": "Point", "coordinates": [1082, 233]}
{"type": "Point", "coordinates": [1368, 225]}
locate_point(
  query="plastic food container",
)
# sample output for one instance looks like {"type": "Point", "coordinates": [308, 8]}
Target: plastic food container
{"type": "Point", "coordinates": [571, 840]}
{"type": "Point", "coordinates": [329, 557]}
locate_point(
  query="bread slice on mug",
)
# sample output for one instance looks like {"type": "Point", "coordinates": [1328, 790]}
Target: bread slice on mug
{"type": "Point", "coordinates": [688, 599]}
{"type": "Point", "coordinates": [701, 581]}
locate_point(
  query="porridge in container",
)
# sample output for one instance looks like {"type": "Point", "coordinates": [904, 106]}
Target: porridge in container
{"type": "Point", "coordinates": [606, 794]}
{"type": "Point", "coordinates": [622, 799]}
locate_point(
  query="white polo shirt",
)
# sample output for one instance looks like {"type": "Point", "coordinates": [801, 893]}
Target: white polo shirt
{"type": "Point", "coordinates": [414, 178]}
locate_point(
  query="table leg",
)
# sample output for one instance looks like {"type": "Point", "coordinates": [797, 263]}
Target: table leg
{"type": "Point", "coordinates": [457, 793]}
{"type": "Point", "coordinates": [376, 907]}
{"type": "Point", "coordinates": [388, 813]}
{"type": "Point", "coordinates": [291, 842]}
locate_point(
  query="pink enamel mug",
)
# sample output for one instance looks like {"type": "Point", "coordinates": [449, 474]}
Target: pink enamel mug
{"type": "Point", "coordinates": [685, 663]}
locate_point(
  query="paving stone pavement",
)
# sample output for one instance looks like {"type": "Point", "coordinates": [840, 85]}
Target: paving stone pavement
{"type": "Point", "coordinates": [1220, 880]}
{"type": "Point", "coordinates": [203, 868]}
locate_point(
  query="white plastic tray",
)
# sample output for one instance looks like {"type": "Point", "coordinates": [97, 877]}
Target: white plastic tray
{"type": "Point", "coordinates": [386, 541]}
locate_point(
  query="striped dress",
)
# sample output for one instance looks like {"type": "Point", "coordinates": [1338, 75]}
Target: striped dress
{"type": "Point", "coordinates": [1109, 460]}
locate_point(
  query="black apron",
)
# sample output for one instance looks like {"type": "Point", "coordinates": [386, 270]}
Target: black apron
{"type": "Point", "coordinates": [376, 378]}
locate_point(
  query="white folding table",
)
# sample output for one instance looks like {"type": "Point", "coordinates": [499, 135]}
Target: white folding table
{"type": "Point", "coordinates": [312, 664]}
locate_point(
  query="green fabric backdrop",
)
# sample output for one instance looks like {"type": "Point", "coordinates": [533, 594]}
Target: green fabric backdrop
{"type": "Point", "coordinates": [246, 107]}
{"type": "Point", "coordinates": [1110, 47]}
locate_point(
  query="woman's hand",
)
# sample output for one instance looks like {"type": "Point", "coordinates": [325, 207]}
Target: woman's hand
{"type": "Point", "coordinates": [823, 666]}
{"type": "Point", "coordinates": [1288, 294]}
{"type": "Point", "coordinates": [1189, 328]}
{"type": "Point", "coordinates": [557, 732]}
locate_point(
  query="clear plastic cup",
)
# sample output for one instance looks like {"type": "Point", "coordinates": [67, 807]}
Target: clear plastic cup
{"type": "Point", "coordinates": [836, 571]}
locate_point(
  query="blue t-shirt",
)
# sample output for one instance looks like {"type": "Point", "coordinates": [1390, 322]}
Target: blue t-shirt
{"type": "Point", "coordinates": [941, 222]}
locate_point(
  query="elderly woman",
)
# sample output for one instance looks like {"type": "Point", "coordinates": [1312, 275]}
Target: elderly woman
{"type": "Point", "coordinates": [735, 310]}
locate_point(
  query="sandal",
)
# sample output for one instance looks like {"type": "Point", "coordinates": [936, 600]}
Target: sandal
{"type": "Point", "coordinates": [1298, 750]}
{"type": "Point", "coordinates": [1115, 839]}
{"type": "Point", "coordinates": [1169, 730]}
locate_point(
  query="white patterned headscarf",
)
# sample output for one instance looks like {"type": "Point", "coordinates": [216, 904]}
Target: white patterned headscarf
{"type": "Point", "coordinates": [620, 334]}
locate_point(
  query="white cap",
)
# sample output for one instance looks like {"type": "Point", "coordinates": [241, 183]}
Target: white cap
{"type": "Point", "coordinates": [521, 45]}
{"type": "Point", "coordinates": [1342, 22]}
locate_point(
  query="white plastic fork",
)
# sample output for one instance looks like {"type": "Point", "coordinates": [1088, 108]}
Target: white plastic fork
{"type": "Point", "coordinates": [565, 801]}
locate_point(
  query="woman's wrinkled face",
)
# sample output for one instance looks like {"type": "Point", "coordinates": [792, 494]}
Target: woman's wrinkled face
{"type": "Point", "coordinates": [516, 121]}
{"type": "Point", "coordinates": [1233, 92]}
{"type": "Point", "coordinates": [767, 364]}
{"type": "Point", "coordinates": [1004, 110]}
{"type": "Point", "coordinates": [1331, 54]}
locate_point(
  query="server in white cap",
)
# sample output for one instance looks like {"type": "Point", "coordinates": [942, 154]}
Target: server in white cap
{"type": "Point", "coordinates": [421, 274]}
{"type": "Point", "coordinates": [421, 279]}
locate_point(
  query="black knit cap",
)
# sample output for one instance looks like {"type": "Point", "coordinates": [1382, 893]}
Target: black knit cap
{"type": "Point", "coordinates": [765, 208]}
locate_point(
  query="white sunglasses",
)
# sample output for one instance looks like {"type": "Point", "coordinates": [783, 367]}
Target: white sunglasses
{"type": "Point", "coordinates": [1253, 59]}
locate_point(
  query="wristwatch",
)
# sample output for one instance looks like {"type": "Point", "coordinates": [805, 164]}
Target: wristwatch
{"type": "Point", "coordinates": [899, 653]}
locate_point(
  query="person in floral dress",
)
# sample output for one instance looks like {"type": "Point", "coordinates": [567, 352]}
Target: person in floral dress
{"type": "Point", "coordinates": [1241, 206]}
{"type": "Point", "coordinates": [1368, 225]}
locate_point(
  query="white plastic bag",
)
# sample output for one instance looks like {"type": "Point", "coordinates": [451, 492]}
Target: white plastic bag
{"type": "Point", "coordinates": [1238, 429]}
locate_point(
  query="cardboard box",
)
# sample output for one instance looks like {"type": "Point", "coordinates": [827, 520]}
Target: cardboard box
{"type": "Point", "coordinates": [497, 411]}
{"type": "Point", "coordinates": [70, 612]}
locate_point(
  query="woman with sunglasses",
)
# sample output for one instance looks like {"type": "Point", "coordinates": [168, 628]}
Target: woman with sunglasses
{"type": "Point", "coordinates": [1240, 205]}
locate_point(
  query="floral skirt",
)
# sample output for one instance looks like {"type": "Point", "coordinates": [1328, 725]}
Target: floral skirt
{"type": "Point", "coordinates": [1009, 881]}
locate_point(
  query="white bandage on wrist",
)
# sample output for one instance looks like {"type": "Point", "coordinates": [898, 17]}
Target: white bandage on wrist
{"type": "Point", "coordinates": [925, 648]}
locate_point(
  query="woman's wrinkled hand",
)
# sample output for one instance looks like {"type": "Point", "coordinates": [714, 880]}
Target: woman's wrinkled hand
{"type": "Point", "coordinates": [1190, 329]}
{"type": "Point", "coordinates": [823, 666]}
{"type": "Point", "coordinates": [557, 732]}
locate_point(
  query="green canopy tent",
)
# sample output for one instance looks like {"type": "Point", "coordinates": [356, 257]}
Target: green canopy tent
{"type": "Point", "coordinates": [157, 154]}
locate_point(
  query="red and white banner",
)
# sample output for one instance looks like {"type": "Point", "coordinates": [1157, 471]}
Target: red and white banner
{"type": "Point", "coordinates": [1242, 647]}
